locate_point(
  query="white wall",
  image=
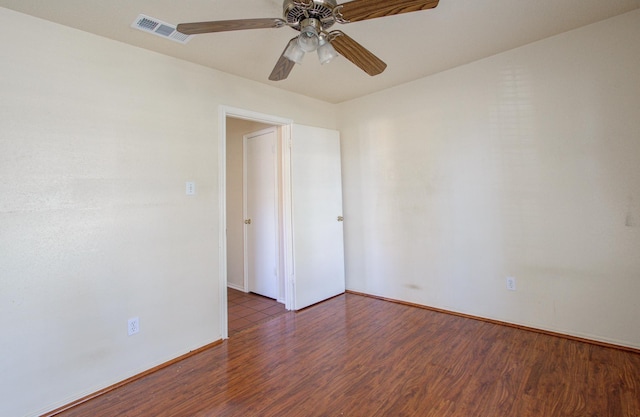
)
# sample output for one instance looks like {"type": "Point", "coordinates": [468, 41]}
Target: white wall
{"type": "Point", "coordinates": [525, 164]}
{"type": "Point", "coordinates": [97, 139]}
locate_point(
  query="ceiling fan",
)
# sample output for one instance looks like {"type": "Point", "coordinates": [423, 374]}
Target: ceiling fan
{"type": "Point", "coordinates": [313, 18]}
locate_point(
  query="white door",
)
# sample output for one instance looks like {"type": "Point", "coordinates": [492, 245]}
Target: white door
{"type": "Point", "coordinates": [316, 215]}
{"type": "Point", "coordinates": [261, 213]}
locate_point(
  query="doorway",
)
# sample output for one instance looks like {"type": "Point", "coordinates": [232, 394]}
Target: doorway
{"type": "Point", "coordinates": [235, 124]}
{"type": "Point", "coordinates": [310, 248]}
{"type": "Point", "coordinates": [236, 204]}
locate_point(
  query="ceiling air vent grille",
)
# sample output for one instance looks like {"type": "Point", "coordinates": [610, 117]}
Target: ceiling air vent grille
{"type": "Point", "coordinates": [160, 28]}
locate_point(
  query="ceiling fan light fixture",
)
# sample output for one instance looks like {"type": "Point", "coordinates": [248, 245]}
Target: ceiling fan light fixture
{"type": "Point", "coordinates": [309, 38]}
{"type": "Point", "coordinates": [326, 51]}
{"type": "Point", "coordinates": [313, 18]}
{"type": "Point", "coordinates": [293, 52]}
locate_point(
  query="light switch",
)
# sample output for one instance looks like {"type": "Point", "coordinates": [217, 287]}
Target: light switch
{"type": "Point", "coordinates": [191, 188]}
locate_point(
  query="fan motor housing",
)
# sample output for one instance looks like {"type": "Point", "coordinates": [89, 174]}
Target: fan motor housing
{"type": "Point", "coordinates": [294, 12]}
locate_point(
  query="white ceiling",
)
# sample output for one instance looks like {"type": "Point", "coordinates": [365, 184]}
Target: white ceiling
{"type": "Point", "coordinates": [414, 45]}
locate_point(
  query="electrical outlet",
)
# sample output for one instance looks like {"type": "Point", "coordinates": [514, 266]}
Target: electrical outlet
{"type": "Point", "coordinates": [511, 283]}
{"type": "Point", "coordinates": [133, 326]}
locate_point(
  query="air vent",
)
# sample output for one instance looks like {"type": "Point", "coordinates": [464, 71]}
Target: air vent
{"type": "Point", "coordinates": [160, 28]}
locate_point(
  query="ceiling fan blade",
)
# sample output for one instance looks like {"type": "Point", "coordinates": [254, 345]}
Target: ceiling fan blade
{"type": "Point", "coordinates": [356, 53]}
{"type": "Point", "coordinates": [283, 66]}
{"type": "Point", "coordinates": [228, 25]}
{"type": "Point", "coordinates": [357, 10]}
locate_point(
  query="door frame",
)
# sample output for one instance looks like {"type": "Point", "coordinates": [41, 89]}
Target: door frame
{"type": "Point", "coordinates": [285, 138]}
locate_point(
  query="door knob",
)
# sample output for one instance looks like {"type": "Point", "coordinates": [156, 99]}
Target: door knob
{"type": "Point", "coordinates": [248, 221]}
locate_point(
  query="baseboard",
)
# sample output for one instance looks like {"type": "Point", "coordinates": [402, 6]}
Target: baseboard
{"type": "Point", "coordinates": [439, 310]}
{"type": "Point", "coordinates": [235, 287]}
{"type": "Point", "coordinates": [129, 380]}
{"type": "Point", "coordinates": [503, 323]}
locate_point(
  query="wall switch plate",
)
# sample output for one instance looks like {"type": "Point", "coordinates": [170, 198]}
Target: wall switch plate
{"type": "Point", "coordinates": [511, 283]}
{"type": "Point", "coordinates": [133, 326]}
{"type": "Point", "coordinates": [190, 188]}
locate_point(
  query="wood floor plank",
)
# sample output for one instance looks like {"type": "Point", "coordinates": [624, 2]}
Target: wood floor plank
{"type": "Point", "coordinates": [358, 356]}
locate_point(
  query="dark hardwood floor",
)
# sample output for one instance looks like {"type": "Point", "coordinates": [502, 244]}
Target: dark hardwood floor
{"type": "Point", "coordinates": [359, 356]}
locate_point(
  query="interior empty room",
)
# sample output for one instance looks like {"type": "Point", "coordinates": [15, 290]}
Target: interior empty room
{"type": "Point", "coordinates": [453, 223]}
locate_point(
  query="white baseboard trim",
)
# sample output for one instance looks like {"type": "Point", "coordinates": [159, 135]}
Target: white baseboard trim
{"type": "Point", "coordinates": [236, 287]}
